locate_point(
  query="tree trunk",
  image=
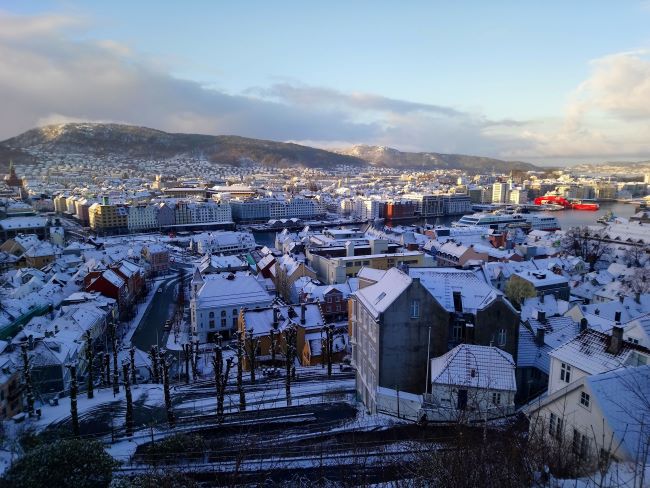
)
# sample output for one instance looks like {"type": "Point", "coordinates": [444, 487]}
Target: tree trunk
{"type": "Point", "coordinates": [73, 400]}
{"type": "Point", "coordinates": [27, 377]}
{"type": "Point", "coordinates": [240, 370]}
{"type": "Point", "coordinates": [129, 400]}
{"type": "Point", "coordinates": [168, 399]}
{"type": "Point", "coordinates": [90, 360]}
{"type": "Point", "coordinates": [134, 379]}
{"type": "Point", "coordinates": [116, 373]}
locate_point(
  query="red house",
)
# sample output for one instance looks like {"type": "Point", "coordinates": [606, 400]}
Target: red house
{"type": "Point", "coordinates": [109, 284]}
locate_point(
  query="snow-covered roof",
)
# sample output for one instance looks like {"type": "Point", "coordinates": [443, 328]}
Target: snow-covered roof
{"type": "Point", "coordinates": [442, 282]}
{"type": "Point", "coordinates": [23, 223]}
{"type": "Point", "coordinates": [112, 277]}
{"type": "Point", "coordinates": [260, 321]}
{"type": "Point", "coordinates": [370, 274]}
{"type": "Point", "coordinates": [231, 290]}
{"type": "Point", "coordinates": [379, 296]}
{"type": "Point", "coordinates": [475, 366]}
{"type": "Point", "coordinates": [589, 352]}
{"type": "Point", "coordinates": [622, 396]}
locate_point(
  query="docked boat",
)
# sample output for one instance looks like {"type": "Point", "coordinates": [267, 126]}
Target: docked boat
{"type": "Point", "coordinates": [580, 205]}
{"type": "Point", "coordinates": [607, 218]}
{"type": "Point", "coordinates": [501, 221]}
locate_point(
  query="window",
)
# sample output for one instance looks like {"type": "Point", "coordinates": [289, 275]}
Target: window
{"type": "Point", "coordinates": [501, 338]}
{"type": "Point", "coordinates": [496, 398]}
{"type": "Point", "coordinates": [211, 315]}
{"type": "Point", "coordinates": [457, 332]}
{"type": "Point", "coordinates": [223, 313]}
{"type": "Point", "coordinates": [584, 399]}
{"type": "Point", "coordinates": [211, 324]}
{"type": "Point", "coordinates": [415, 309]}
{"type": "Point", "coordinates": [223, 322]}
{"type": "Point", "coordinates": [555, 426]}
{"type": "Point", "coordinates": [580, 444]}
{"type": "Point", "coordinates": [234, 312]}
{"type": "Point", "coordinates": [565, 373]}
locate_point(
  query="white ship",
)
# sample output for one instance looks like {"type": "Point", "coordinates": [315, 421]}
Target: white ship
{"type": "Point", "coordinates": [500, 221]}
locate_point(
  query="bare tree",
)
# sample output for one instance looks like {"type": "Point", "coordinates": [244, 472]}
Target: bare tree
{"type": "Point", "coordinates": [73, 400]}
{"type": "Point", "coordinates": [251, 352]}
{"type": "Point", "coordinates": [327, 346]}
{"type": "Point", "coordinates": [90, 360]}
{"type": "Point", "coordinates": [116, 373]}
{"type": "Point", "coordinates": [155, 370]}
{"type": "Point", "coordinates": [129, 400]}
{"type": "Point", "coordinates": [27, 379]}
{"type": "Point", "coordinates": [187, 355]}
{"type": "Point", "coordinates": [134, 379]}
{"type": "Point", "coordinates": [195, 361]}
{"type": "Point", "coordinates": [240, 370]}
{"type": "Point", "coordinates": [274, 339]}
{"type": "Point", "coordinates": [168, 399]}
{"type": "Point", "coordinates": [106, 379]}
{"type": "Point", "coordinates": [581, 242]}
{"type": "Point", "coordinates": [220, 378]}
{"type": "Point", "coordinates": [290, 337]}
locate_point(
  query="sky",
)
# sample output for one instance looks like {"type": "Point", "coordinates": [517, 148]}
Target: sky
{"type": "Point", "coordinates": [546, 82]}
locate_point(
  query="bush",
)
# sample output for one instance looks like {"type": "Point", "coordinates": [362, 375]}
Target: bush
{"type": "Point", "coordinates": [65, 464]}
{"type": "Point", "coordinates": [174, 449]}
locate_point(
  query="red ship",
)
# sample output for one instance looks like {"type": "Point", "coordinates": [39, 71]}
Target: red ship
{"type": "Point", "coordinates": [578, 205]}
{"type": "Point", "coordinates": [554, 199]}
{"type": "Point", "coordinates": [573, 204]}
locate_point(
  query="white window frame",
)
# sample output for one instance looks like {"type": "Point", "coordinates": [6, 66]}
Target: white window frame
{"type": "Point", "coordinates": [565, 372]}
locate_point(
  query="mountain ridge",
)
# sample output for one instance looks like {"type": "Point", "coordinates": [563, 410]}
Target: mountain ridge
{"type": "Point", "coordinates": [102, 139]}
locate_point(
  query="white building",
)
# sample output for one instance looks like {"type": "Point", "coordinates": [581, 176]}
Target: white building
{"type": "Point", "coordinates": [603, 417]}
{"type": "Point", "coordinates": [142, 217]}
{"type": "Point", "coordinates": [591, 353]}
{"type": "Point", "coordinates": [471, 382]}
{"type": "Point", "coordinates": [217, 299]}
{"type": "Point", "coordinates": [209, 212]}
{"type": "Point", "coordinates": [500, 193]}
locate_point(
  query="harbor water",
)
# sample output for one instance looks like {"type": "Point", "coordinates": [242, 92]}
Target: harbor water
{"type": "Point", "coordinates": [567, 218]}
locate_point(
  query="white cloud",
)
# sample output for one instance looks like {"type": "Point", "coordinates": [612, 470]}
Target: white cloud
{"type": "Point", "coordinates": [47, 76]}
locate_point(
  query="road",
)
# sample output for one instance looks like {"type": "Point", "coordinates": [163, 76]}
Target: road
{"type": "Point", "coordinates": [151, 329]}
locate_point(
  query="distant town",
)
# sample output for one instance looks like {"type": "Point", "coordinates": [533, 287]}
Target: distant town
{"type": "Point", "coordinates": [253, 322]}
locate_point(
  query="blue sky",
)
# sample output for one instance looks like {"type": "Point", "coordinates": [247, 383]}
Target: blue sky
{"type": "Point", "coordinates": [541, 81]}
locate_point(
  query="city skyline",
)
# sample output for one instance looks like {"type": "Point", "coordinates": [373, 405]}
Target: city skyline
{"type": "Point", "coordinates": [545, 84]}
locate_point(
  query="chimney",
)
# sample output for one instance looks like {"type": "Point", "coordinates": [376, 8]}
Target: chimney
{"type": "Point", "coordinates": [541, 298]}
{"type": "Point", "coordinates": [541, 316]}
{"type": "Point", "coordinates": [615, 341]}
{"type": "Point", "coordinates": [621, 298]}
{"type": "Point", "coordinates": [349, 249]}
{"type": "Point", "coordinates": [617, 316]}
{"type": "Point", "coordinates": [303, 309]}
{"type": "Point", "coordinates": [584, 324]}
{"type": "Point", "coordinates": [458, 301]}
{"type": "Point", "coordinates": [637, 297]}
{"type": "Point", "coordinates": [539, 338]}
{"type": "Point", "coordinates": [30, 342]}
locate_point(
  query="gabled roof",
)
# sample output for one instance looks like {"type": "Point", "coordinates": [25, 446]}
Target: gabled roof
{"type": "Point", "coordinates": [622, 396]}
{"type": "Point", "coordinates": [442, 282]}
{"type": "Point", "coordinates": [378, 297]}
{"type": "Point", "coordinates": [588, 352]}
{"type": "Point", "coordinates": [475, 366]}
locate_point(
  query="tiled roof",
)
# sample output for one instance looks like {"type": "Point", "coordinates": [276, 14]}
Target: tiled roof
{"type": "Point", "coordinates": [475, 366]}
